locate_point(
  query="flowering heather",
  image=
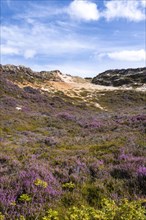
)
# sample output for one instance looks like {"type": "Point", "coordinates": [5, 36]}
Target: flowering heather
{"type": "Point", "coordinates": [89, 124]}
{"type": "Point", "coordinates": [57, 153]}
{"type": "Point", "coordinates": [142, 172]}
{"type": "Point", "coordinates": [130, 158]}
{"type": "Point", "coordinates": [67, 116]}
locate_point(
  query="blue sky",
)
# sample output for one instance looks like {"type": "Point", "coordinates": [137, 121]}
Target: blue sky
{"type": "Point", "coordinates": [78, 37]}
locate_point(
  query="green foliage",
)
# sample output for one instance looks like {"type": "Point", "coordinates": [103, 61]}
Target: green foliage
{"type": "Point", "coordinates": [41, 183]}
{"type": "Point", "coordinates": [70, 186]}
{"type": "Point", "coordinates": [108, 147]}
{"type": "Point", "coordinates": [84, 213]}
{"type": "Point", "coordinates": [2, 217]}
{"type": "Point", "coordinates": [13, 203]}
{"type": "Point", "coordinates": [22, 217]}
{"type": "Point", "coordinates": [69, 199]}
{"type": "Point", "coordinates": [109, 211]}
{"type": "Point", "coordinates": [51, 215]}
{"type": "Point", "coordinates": [130, 211]}
{"type": "Point", "coordinates": [25, 198]}
{"type": "Point", "coordinates": [92, 193]}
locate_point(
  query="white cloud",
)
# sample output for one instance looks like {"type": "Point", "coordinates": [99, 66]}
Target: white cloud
{"type": "Point", "coordinates": [128, 55]}
{"type": "Point", "coordinates": [130, 10]}
{"type": "Point", "coordinates": [8, 50]}
{"type": "Point", "coordinates": [29, 53]}
{"type": "Point", "coordinates": [43, 41]}
{"type": "Point", "coordinates": [87, 10]}
{"type": "Point", "coordinates": [143, 2]}
{"type": "Point", "coordinates": [54, 38]}
{"type": "Point", "coordinates": [83, 10]}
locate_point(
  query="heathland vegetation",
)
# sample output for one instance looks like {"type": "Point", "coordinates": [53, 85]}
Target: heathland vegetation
{"type": "Point", "coordinates": [65, 159]}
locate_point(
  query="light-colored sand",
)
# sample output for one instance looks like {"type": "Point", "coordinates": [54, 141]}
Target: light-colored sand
{"type": "Point", "coordinates": [77, 87]}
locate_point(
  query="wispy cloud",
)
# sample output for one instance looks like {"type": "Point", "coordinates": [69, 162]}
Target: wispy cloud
{"type": "Point", "coordinates": [130, 10]}
{"type": "Point", "coordinates": [41, 39]}
{"type": "Point", "coordinates": [61, 33]}
{"type": "Point", "coordinates": [8, 50]}
{"type": "Point", "coordinates": [29, 53]}
{"type": "Point", "coordinates": [125, 55]}
{"type": "Point", "coordinates": [37, 12]}
{"type": "Point", "coordinates": [88, 11]}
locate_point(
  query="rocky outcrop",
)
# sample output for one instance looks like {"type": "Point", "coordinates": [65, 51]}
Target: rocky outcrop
{"type": "Point", "coordinates": [20, 73]}
{"type": "Point", "coordinates": [123, 77]}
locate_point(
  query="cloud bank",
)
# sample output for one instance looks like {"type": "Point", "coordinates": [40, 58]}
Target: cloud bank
{"type": "Point", "coordinates": [86, 10]}
{"type": "Point", "coordinates": [127, 9]}
{"type": "Point", "coordinates": [83, 10]}
{"type": "Point", "coordinates": [128, 55]}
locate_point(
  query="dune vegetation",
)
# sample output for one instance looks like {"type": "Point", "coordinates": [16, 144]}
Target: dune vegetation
{"type": "Point", "coordinates": [61, 159]}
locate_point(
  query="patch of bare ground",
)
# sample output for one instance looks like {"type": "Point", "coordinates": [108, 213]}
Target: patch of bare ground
{"type": "Point", "coordinates": [76, 87]}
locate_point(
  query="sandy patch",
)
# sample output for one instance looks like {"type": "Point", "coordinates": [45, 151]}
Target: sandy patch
{"type": "Point", "coordinates": [76, 88]}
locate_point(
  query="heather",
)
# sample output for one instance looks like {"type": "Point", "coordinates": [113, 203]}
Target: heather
{"type": "Point", "coordinates": [60, 155]}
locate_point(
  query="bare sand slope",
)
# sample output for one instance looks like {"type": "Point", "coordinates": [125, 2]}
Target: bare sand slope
{"type": "Point", "coordinates": [77, 87]}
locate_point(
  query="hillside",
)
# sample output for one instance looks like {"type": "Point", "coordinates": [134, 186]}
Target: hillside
{"type": "Point", "coordinates": [121, 77]}
{"type": "Point", "coordinates": [66, 142]}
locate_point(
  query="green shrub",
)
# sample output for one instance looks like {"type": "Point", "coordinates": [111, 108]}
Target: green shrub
{"type": "Point", "coordinates": [22, 217]}
{"type": "Point", "coordinates": [51, 215]}
{"type": "Point", "coordinates": [109, 210]}
{"type": "Point", "coordinates": [68, 199]}
{"type": "Point", "coordinates": [70, 186]}
{"type": "Point", "coordinates": [2, 217]}
{"type": "Point", "coordinates": [24, 198]}
{"type": "Point", "coordinates": [130, 211]}
{"type": "Point", "coordinates": [84, 213]}
{"type": "Point", "coordinates": [92, 193]}
{"type": "Point", "coordinates": [40, 183]}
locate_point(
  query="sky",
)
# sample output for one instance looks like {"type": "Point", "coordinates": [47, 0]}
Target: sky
{"type": "Point", "coordinates": [77, 37]}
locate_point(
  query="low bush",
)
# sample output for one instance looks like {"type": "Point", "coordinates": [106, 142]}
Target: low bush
{"type": "Point", "coordinates": [109, 210]}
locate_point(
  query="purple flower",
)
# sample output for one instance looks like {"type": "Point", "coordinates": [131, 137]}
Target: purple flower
{"type": "Point", "coordinates": [66, 116]}
{"type": "Point", "coordinates": [141, 171]}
